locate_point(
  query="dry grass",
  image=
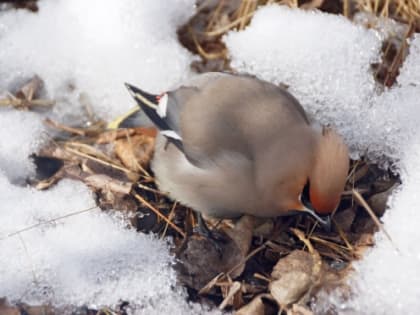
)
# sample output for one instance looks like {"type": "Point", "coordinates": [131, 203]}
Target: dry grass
{"type": "Point", "coordinates": [203, 33]}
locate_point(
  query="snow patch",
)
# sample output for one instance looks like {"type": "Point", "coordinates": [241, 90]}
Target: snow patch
{"type": "Point", "coordinates": [94, 47]}
{"type": "Point", "coordinates": [89, 258]}
{"type": "Point", "coordinates": [21, 135]}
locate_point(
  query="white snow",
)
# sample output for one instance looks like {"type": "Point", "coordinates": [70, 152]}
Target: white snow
{"type": "Point", "coordinates": [326, 62]}
{"type": "Point", "coordinates": [89, 258]}
{"type": "Point", "coordinates": [83, 48]}
{"type": "Point", "coordinates": [18, 143]}
{"type": "Point", "coordinates": [94, 47]}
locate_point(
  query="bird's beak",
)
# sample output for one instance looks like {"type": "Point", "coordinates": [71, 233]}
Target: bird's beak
{"type": "Point", "coordinates": [147, 103]}
{"type": "Point", "coordinates": [324, 221]}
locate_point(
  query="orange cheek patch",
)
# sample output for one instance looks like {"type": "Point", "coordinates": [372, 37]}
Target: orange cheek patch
{"type": "Point", "coordinates": [322, 205]}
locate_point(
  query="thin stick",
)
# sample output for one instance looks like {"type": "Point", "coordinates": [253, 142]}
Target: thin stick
{"type": "Point", "coordinates": [159, 214]}
{"type": "Point", "coordinates": [201, 50]}
{"type": "Point", "coordinates": [62, 127]}
{"type": "Point", "coordinates": [49, 221]}
{"type": "Point", "coordinates": [25, 248]}
{"type": "Point", "coordinates": [359, 198]}
{"type": "Point", "coordinates": [144, 187]}
{"type": "Point", "coordinates": [171, 213]}
{"type": "Point", "coordinates": [342, 235]}
{"type": "Point", "coordinates": [227, 27]}
{"type": "Point", "coordinates": [121, 168]}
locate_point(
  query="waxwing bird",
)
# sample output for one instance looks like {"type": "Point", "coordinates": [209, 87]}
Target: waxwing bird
{"type": "Point", "coordinates": [231, 145]}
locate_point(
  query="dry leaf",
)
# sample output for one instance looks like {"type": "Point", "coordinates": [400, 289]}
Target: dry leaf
{"type": "Point", "coordinates": [108, 184]}
{"type": "Point", "coordinates": [255, 307]}
{"type": "Point", "coordinates": [379, 201]}
{"type": "Point", "coordinates": [292, 277]}
{"type": "Point", "coordinates": [345, 219]}
{"type": "Point", "coordinates": [299, 310]}
{"type": "Point", "coordinates": [110, 136]}
{"type": "Point", "coordinates": [135, 152]}
{"type": "Point", "coordinates": [200, 262]}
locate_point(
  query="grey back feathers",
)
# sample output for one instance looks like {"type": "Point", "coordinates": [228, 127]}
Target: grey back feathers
{"type": "Point", "coordinates": [240, 134]}
{"type": "Point", "coordinates": [237, 114]}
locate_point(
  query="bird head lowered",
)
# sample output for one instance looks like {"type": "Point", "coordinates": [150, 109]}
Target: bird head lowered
{"type": "Point", "coordinates": [327, 177]}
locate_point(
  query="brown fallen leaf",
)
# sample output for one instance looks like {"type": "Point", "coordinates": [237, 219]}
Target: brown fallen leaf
{"type": "Point", "coordinates": [258, 307]}
{"type": "Point", "coordinates": [292, 278]}
{"type": "Point", "coordinates": [109, 136]}
{"type": "Point", "coordinates": [299, 310]}
{"type": "Point", "coordinates": [379, 201]}
{"type": "Point", "coordinates": [135, 152]}
{"type": "Point", "coordinates": [345, 218]}
{"type": "Point", "coordinates": [106, 183]}
{"type": "Point", "coordinates": [200, 261]}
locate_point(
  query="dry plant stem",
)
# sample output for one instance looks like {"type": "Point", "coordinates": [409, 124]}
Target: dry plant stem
{"type": "Point", "coordinates": [121, 168]}
{"type": "Point", "coordinates": [215, 15]}
{"type": "Point", "coordinates": [340, 250]}
{"type": "Point", "coordinates": [151, 190]}
{"type": "Point", "coordinates": [25, 248]}
{"type": "Point", "coordinates": [346, 8]}
{"type": "Point", "coordinates": [159, 214]}
{"type": "Point", "coordinates": [170, 216]}
{"type": "Point", "coordinates": [202, 52]}
{"type": "Point", "coordinates": [17, 102]}
{"type": "Point", "coordinates": [359, 198]}
{"type": "Point", "coordinates": [89, 150]}
{"type": "Point", "coordinates": [56, 125]}
{"type": "Point", "coordinates": [343, 235]}
{"type": "Point", "coordinates": [49, 221]}
{"type": "Point", "coordinates": [236, 286]}
{"type": "Point", "coordinates": [229, 26]}
{"type": "Point", "coordinates": [261, 277]}
{"type": "Point", "coordinates": [399, 58]}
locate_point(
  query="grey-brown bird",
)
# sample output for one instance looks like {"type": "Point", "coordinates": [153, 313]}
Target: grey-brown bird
{"type": "Point", "coordinates": [231, 145]}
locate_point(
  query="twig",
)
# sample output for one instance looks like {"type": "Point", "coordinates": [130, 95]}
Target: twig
{"type": "Point", "coordinates": [49, 122]}
{"type": "Point", "coordinates": [359, 198]}
{"type": "Point", "coordinates": [49, 221]}
{"type": "Point", "coordinates": [121, 168]}
{"type": "Point", "coordinates": [159, 214]}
